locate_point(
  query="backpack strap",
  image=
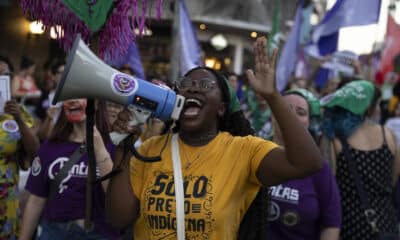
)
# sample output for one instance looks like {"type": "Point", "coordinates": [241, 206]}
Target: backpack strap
{"type": "Point", "coordinates": [64, 171]}
{"type": "Point", "coordinates": [384, 135]}
{"type": "Point", "coordinates": [369, 212]}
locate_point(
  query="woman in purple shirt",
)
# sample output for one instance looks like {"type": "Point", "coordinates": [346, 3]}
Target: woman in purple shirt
{"type": "Point", "coordinates": [307, 208]}
{"type": "Point", "coordinates": [61, 207]}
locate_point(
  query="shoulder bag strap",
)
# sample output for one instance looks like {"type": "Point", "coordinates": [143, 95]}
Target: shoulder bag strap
{"type": "Point", "coordinates": [179, 197]}
{"type": "Point", "coordinates": [64, 171]}
{"type": "Point", "coordinates": [369, 213]}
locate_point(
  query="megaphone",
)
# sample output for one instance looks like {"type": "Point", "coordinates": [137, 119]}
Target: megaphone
{"type": "Point", "coordinates": [87, 76]}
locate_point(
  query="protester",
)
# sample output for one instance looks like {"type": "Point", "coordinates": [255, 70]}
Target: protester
{"type": "Point", "coordinates": [48, 88]}
{"type": "Point", "coordinates": [393, 112]}
{"type": "Point", "coordinates": [24, 85]}
{"type": "Point", "coordinates": [18, 146]}
{"type": "Point", "coordinates": [366, 159]}
{"type": "Point", "coordinates": [45, 110]}
{"type": "Point", "coordinates": [257, 111]}
{"type": "Point", "coordinates": [222, 173]}
{"type": "Point", "coordinates": [112, 111]}
{"type": "Point", "coordinates": [59, 203]}
{"type": "Point", "coordinates": [237, 84]}
{"type": "Point", "coordinates": [307, 208]}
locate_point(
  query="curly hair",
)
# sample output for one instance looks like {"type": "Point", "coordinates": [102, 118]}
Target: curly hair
{"type": "Point", "coordinates": [254, 224]}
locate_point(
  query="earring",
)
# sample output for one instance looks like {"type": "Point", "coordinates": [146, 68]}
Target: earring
{"type": "Point", "coordinates": [221, 111]}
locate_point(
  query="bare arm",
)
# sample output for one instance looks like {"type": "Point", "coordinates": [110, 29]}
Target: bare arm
{"type": "Point", "coordinates": [301, 156]}
{"type": "Point", "coordinates": [105, 165]}
{"type": "Point", "coordinates": [32, 213]}
{"type": "Point", "coordinates": [30, 142]}
{"type": "Point", "coordinates": [122, 207]}
{"type": "Point", "coordinates": [393, 146]}
{"type": "Point", "coordinates": [330, 233]}
{"type": "Point", "coordinates": [47, 125]}
{"type": "Point", "coordinates": [103, 160]}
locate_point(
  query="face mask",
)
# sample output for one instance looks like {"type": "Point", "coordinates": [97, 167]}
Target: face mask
{"type": "Point", "coordinates": [75, 110]}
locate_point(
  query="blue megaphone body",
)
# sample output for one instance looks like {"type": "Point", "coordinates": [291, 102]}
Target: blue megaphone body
{"type": "Point", "coordinates": [87, 76]}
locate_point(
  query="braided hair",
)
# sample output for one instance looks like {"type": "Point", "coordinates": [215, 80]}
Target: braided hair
{"type": "Point", "coordinates": [255, 221]}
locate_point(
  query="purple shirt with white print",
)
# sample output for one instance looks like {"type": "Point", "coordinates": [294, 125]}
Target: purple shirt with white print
{"type": "Point", "coordinates": [301, 208]}
{"type": "Point", "coordinates": [69, 201]}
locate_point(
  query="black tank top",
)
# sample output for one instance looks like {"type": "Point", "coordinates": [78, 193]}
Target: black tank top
{"type": "Point", "coordinates": [375, 170]}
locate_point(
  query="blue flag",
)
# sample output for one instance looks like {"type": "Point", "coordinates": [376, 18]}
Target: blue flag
{"type": "Point", "coordinates": [288, 57]}
{"type": "Point", "coordinates": [344, 13]}
{"type": "Point", "coordinates": [189, 46]}
{"type": "Point", "coordinates": [131, 58]}
{"type": "Point", "coordinates": [347, 13]}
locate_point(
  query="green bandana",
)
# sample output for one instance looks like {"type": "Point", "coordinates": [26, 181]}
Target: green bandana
{"type": "Point", "coordinates": [234, 104]}
{"type": "Point", "coordinates": [93, 12]}
{"type": "Point", "coordinates": [355, 97]}
{"type": "Point", "coordinates": [313, 102]}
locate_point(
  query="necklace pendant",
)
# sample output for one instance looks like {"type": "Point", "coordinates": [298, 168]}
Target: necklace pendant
{"type": "Point", "coordinates": [187, 165]}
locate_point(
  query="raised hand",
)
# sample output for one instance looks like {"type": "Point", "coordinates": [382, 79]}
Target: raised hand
{"type": "Point", "coordinates": [122, 125]}
{"type": "Point", "coordinates": [263, 79]}
{"type": "Point", "coordinates": [13, 108]}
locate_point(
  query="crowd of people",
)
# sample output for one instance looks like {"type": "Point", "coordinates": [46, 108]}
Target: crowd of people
{"type": "Point", "coordinates": [306, 163]}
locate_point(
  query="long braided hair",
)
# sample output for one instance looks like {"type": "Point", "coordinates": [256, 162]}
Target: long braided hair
{"type": "Point", "coordinates": [255, 221]}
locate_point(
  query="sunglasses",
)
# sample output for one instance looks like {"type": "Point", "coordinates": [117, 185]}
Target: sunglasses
{"type": "Point", "coordinates": [203, 84]}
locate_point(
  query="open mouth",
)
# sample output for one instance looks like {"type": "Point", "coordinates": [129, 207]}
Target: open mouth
{"type": "Point", "coordinates": [75, 110]}
{"type": "Point", "coordinates": [192, 107]}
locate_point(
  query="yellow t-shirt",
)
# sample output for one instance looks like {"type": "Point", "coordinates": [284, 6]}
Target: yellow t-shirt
{"type": "Point", "coordinates": [219, 184]}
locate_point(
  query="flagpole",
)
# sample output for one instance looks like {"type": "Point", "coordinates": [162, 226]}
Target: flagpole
{"type": "Point", "coordinates": [176, 52]}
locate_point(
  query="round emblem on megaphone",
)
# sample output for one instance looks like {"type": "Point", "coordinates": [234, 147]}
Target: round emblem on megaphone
{"type": "Point", "coordinates": [123, 84]}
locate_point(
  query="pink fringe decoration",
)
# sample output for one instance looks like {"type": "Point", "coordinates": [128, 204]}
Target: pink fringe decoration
{"type": "Point", "coordinates": [116, 34]}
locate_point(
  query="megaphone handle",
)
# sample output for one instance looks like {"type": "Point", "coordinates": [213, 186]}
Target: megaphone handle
{"type": "Point", "coordinates": [117, 137]}
{"type": "Point", "coordinates": [139, 117]}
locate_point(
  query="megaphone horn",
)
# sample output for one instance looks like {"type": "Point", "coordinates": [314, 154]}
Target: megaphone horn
{"type": "Point", "coordinates": [86, 76]}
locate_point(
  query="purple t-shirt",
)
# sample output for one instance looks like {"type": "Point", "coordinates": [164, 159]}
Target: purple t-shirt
{"type": "Point", "coordinates": [301, 208]}
{"type": "Point", "coordinates": [69, 201]}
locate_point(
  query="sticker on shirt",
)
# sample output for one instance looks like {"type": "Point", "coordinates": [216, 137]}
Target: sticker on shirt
{"type": "Point", "coordinates": [274, 211]}
{"type": "Point", "coordinates": [285, 194]}
{"type": "Point", "coordinates": [10, 126]}
{"type": "Point", "coordinates": [290, 218]}
{"type": "Point", "coordinates": [36, 167]}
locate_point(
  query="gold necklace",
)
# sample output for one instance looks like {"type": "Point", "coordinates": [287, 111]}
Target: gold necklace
{"type": "Point", "coordinates": [188, 161]}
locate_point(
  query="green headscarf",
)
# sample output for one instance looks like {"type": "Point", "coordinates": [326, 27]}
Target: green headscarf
{"type": "Point", "coordinates": [93, 14]}
{"type": "Point", "coordinates": [312, 101]}
{"type": "Point", "coordinates": [234, 104]}
{"type": "Point", "coordinates": [355, 97]}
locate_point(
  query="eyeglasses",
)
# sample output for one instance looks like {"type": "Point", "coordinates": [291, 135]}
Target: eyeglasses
{"type": "Point", "coordinates": [203, 84]}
